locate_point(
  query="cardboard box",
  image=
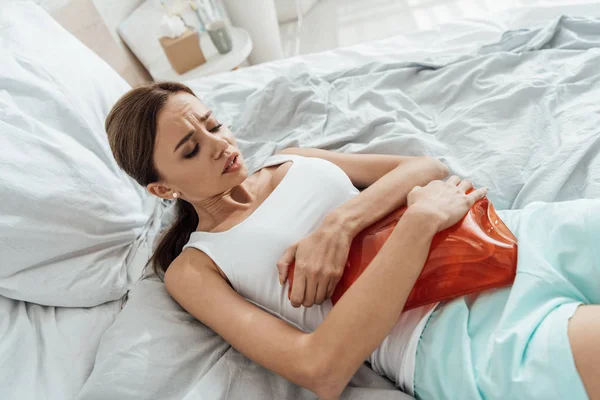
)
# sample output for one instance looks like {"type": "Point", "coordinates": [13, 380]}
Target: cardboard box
{"type": "Point", "coordinates": [183, 52]}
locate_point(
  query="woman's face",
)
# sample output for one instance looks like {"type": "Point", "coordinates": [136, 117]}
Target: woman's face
{"type": "Point", "coordinates": [191, 151]}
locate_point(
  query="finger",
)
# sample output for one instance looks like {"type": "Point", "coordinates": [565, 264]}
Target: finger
{"type": "Point", "coordinates": [297, 296]}
{"type": "Point", "coordinates": [465, 185]}
{"type": "Point", "coordinates": [477, 195]}
{"type": "Point", "coordinates": [416, 188]}
{"type": "Point", "coordinates": [334, 279]}
{"type": "Point", "coordinates": [284, 262]}
{"type": "Point", "coordinates": [310, 292]}
{"type": "Point", "coordinates": [331, 288]}
{"type": "Point", "coordinates": [321, 292]}
{"type": "Point", "coordinates": [453, 180]}
{"type": "Point", "coordinates": [193, 118]}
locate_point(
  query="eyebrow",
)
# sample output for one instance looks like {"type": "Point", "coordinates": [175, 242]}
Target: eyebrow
{"type": "Point", "coordinates": [205, 116]}
{"type": "Point", "coordinates": [187, 137]}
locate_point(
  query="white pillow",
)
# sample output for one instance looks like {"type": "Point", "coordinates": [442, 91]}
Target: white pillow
{"type": "Point", "coordinates": [71, 222]}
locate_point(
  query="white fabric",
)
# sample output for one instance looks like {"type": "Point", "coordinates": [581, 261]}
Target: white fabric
{"type": "Point", "coordinates": [171, 26]}
{"type": "Point", "coordinates": [310, 190]}
{"type": "Point", "coordinates": [396, 357]}
{"type": "Point", "coordinates": [70, 220]}
{"type": "Point", "coordinates": [74, 230]}
{"type": "Point", "coordinates": [155, 349]}
{"type": "Point", "coordinates": [460, 36]}
{"type": "Point", "coordinates": [47, 353]}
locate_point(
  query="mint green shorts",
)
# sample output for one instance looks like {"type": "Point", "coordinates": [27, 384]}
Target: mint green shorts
{"type": "Point", "coordinates": [512, 343]}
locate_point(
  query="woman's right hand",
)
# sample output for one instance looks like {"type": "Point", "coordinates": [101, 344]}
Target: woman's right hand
{"type": "Point", "coordinates": [445, 202]}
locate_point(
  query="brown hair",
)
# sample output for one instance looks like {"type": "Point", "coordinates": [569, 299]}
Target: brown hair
{"type": "Point", "coordinates": [131, 129]}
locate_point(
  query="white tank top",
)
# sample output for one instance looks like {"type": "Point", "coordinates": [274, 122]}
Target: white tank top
{"type": "Point", "coordinates": [248, 254]}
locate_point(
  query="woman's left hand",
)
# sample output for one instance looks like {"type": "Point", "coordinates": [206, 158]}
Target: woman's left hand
{"type": "Point", "coordinates": [320, 259]}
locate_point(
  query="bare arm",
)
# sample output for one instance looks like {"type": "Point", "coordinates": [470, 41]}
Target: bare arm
{"type": "Point", "coordinates": [365, 169]}
{"type": "Point", "coordinates": [367, 312]}
{"type": "Point", "coordinates": [325, 360]}
{"type": "Point", "coordinates": [320, 361]}
{"type": "Point", "coordinates": [387, 180]}
{"type": "Point", "coordinates": [320, 258]}
{"type": "Point", "coordinates": [263, 338]}
{"type": "Point", "coordinates": [386, 194]}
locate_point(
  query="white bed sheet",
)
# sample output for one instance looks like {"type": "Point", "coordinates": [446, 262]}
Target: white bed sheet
{"type": "Point", "coordinates": [457, 37]}
{"type": "Point", "coordinates": [47, 353]}
{"type": "Point", "coordinates": [136, 359]}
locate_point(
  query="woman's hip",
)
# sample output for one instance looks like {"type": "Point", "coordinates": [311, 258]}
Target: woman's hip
{"type": "Point", "coordinates": [471, 349]}
{"type": "Point", "coordinates": [512, 342]}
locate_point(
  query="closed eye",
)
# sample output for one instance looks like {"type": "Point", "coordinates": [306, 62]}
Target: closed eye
{"type": "Point", "coordinates": [216, 128]}
{"type": "Point", "coordinates": [193, 152]}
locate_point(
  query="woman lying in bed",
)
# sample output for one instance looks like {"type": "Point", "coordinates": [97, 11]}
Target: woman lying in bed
{"type": "Point", "coordinates": [225, 261]}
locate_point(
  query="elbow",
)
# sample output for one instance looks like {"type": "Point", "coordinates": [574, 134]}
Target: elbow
{"type": "Point", "coordinates": [326, 384]}
{"type": "Point", "coordinates": [323, 377]}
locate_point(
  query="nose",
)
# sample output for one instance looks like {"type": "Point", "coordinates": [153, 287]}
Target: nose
{"type": "Point", "coordinates": [220, 145]}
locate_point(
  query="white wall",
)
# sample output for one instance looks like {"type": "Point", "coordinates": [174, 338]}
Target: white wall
{"type": "Point", "coordinates": [111, 11]}
{"type": "Point", "coordinates": [50, 5]}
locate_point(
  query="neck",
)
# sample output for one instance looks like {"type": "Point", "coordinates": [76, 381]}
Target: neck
{"type": "Point", "coordinates": [213, 211]}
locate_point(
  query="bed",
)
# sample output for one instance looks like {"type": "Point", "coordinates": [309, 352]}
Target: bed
{"type": "Point", "coordinates": [513, 108]}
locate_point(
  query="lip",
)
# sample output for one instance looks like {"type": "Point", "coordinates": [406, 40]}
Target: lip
{"type": "Point", "coordinates": [231, 157]}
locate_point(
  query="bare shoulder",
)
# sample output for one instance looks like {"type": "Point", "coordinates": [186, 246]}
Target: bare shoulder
{"type": "Point", "coordinates": [190, 263]}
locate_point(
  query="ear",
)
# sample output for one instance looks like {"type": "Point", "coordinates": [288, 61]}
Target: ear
{"type": "Point", "coordinates": [159, 190]}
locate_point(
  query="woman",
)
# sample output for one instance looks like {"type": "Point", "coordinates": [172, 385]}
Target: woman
{"type": "Point", "coordinates": [225, 261]}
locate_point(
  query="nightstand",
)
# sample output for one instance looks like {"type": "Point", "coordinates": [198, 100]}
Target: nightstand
{"type": "Point", "coordinates": [141, 30]}
{"type": "Point", "coordinates": [215, 63]}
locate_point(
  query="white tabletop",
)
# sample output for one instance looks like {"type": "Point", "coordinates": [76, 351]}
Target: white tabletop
{"type": "Point", "coordinates": [161, 69]}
